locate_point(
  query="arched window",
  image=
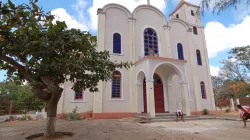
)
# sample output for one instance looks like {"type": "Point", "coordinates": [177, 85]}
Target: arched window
{"type": "Point", "coordinates": [198, 54]}
{"type": "Point", "coordinates": [195, 30]}
{"type": "Point", "coordinates": [203, 90]}
{"type": "Point", "coordinates": [192, 12]}
{"type": "Point", "coordinates": [180, 51]}
{"type": "Point", "coordinates": [177, 15]}
{"type": "Point", "coordinates": [116, 43]}
{"type": "Point", "coordinates": [79, 95]}
{"type": "Point", "coordinates": [150, 42]}
{"type": "Point", "coordinates": [116, 85]}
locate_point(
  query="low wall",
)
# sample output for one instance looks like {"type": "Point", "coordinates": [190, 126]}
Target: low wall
{"type": "Point", "coordinates": [81, 115]}
{"type": "Point", "coordinates": [34, 116]}
{"type": "Point", "coordinates": [117, 115]}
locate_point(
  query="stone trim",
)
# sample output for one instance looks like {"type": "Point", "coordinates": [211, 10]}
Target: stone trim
{"type": "Point", "coordinates": [113, 115]}
{"type": "Point", "coordinates": [159, 58]}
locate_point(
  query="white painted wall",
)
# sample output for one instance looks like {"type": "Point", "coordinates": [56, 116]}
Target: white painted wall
{"type": "Point", "coordinates": [67, 102]}
{"type": "Point", "coordinates": [194, 20]}
{"type": "Point", "coordinates": [191, 43]}
{"type": "Point", "coordinates": [117, 22]}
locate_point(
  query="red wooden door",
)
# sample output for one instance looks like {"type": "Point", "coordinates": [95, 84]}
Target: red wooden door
{"type": "Point", "coordinates": [159, 98]}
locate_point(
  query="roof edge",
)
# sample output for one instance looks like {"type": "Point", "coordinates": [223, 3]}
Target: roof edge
{"type": "Point", "coordinates": [180, 5]}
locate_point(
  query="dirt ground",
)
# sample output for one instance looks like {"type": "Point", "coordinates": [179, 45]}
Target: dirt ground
{"type": "Point", "coordinates": [127, 129]}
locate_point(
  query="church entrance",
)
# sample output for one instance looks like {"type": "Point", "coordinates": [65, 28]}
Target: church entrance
{"type": "Point", "coordinates": [158, 94]}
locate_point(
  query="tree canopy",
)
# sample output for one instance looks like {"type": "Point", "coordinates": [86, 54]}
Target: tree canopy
{"type": "Point", "coordinates": [219, 6]}
{"type": "Point", "coordinates": [233, 80]}
{"type": "Point", "coordinates": [36, 48]}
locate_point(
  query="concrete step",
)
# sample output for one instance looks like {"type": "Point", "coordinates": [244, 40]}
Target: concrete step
{"type": "Point", "coordinates": [168, 117]}
{"type": "Point", "coordinates": [174, 119]}
{"type": "Point", "coordinates": [163, 117]}
{"type": "Point", "coordinates": [165, 114]}
{"type": "Point", "coordinates": [158, 115]}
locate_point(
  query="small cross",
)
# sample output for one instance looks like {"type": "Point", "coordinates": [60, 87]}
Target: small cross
{"type": "Point", "coordinates": [149, 1]}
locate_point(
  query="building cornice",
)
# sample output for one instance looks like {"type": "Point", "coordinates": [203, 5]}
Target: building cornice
{"type": "Point", "coordinates": [130, 19]}
{"type": "Point", "coordinates": [100, 11]}
{"type": "Point", "coordinates": [160, 58]}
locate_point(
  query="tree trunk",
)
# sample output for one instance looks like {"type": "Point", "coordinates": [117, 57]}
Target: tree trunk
{"type": "Point", "coordinates": [48, 90]}
{"type": "Point", "coordinates": [51, 117]}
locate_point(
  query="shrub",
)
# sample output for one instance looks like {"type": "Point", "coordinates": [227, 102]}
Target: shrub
{"type": "Point", "coordinates": [25, 117]}
{"type": "Point", "coordinates": [73, 115]}
{"type": "Point", "coordinates": [205, 112]}
{"type": "Point", "coordinates": [227, 110]}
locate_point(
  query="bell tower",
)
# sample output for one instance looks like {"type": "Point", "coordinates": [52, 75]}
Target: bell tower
{"type": "Point", "coordinates": [187, 12]}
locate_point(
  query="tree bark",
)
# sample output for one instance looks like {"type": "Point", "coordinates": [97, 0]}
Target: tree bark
{"type": "Point", "coordinates": [48, 90]}
{"type": "Point", "coordinates": [51, 116]}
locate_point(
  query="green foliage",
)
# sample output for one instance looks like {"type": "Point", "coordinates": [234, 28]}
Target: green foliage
{"type": "Point", "coordinates": [73, 115]}
{"type": "Point", "coordinates": [233, 79]}
{"type": "Point", "coordinates": [227, 110]}
{"type": "Point", "coordinates": [241, 54]}
{"type": "Point", "coordinates": [205, 112]}
{"type": "Point", "coordinates": [21, 96]}
{"type": "Point", "coordinates": [232, 70]}
{"type": "Point", "coordinates": [222, 5]}
{"type": "Point", "coordinates": [25, 117]}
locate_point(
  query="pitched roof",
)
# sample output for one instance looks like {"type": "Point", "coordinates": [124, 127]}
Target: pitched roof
{"type": "Point", "coordinates": [180, 4]}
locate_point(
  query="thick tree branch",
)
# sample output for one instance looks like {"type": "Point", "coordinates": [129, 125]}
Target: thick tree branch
{"type": "Point", "coordinates": [13, 63]}
{"type": "Point", "coordinates": [17, 66]}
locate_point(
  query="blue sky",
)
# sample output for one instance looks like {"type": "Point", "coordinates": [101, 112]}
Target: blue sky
{"type": "Point", "coordinates": [224, 31]}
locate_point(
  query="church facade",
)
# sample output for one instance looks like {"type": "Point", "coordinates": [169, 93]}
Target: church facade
{"type": "Point", "coordinates": [171, 70]}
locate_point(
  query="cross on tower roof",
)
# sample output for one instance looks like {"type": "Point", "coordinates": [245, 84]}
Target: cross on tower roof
{"type": "Point", "coordinates": [149, 2]}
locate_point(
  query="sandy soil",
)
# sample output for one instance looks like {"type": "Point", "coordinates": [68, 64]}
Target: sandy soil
{"type": "Point", "coordinates": [126, 129]}
{"type": "Point", "coordinates": [208, 129]}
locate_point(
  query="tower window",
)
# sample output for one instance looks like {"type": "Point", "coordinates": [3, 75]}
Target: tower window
{"type": "Point", "coordinates": [177, 15]}
{"type": "Point", "coordinates": [203, 90]}
{"type": "Point", "coordinates": [198, 54]}
{"type": "Point", "coordinates": [195, 31]}
{"type": "Point", "coordinates": [192, 12]}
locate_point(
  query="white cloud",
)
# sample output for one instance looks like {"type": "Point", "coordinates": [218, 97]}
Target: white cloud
{"type": "Point", "coordinates": [80, 22]}
{"type": "Point", "coordinates": [214, 70]}
{"type": "Point", "coordinates": [62, 15]}
{"type": "Point", "coordinates": [130, 4]}
{"type": "Point", "coordinates": [220, 38]}
{"type": "Point", "coordinates": [79, 8]}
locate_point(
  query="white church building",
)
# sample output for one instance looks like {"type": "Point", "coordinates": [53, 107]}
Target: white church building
{"type": "Point", "coordinates": [171, 70]}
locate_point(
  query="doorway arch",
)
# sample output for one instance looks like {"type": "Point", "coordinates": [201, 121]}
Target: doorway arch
{"type": "Point", "coordinates": [158, 94]}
